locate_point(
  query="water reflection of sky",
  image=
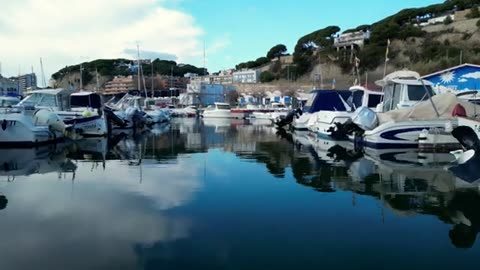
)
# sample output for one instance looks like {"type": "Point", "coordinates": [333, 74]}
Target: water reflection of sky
{"type": "Point", "coordinates": [229, 196]}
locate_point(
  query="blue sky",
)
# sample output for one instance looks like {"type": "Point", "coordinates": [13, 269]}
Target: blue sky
{"type": "Point", "coordinates": [233, 31]}
{"type": "Point", "coordinates": [253, 27]}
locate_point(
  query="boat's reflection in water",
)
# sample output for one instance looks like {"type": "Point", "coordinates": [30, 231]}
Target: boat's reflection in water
{"type": "Point", "coordinates": [401, 182]}
{"type": "Point", "coordinates": [405, 182]}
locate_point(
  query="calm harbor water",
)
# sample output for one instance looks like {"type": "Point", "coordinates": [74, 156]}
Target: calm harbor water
{"type": "Point", "coordinates": [221, 194]}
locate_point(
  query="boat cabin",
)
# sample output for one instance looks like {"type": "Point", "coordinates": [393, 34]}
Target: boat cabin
{"type": "Point", "coordinates": [63, 100]}
{"type": "Point", "coordinates": [327, 100]}
{"type": "Point", "coordinates": [219, 106]}
{"type": "Point", "coordinates": [403, 89]}
{"type": "Point", "coordinates": [86, 99]}
{"type": "Point", "coordinates": [363, 97]}
{"type": "Point", "coordinates": [55, 99]}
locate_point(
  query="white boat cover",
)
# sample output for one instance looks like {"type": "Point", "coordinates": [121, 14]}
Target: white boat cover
{"type": "Point", "coordinates": [445, 103]}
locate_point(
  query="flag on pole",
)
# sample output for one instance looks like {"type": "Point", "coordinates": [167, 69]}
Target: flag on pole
{"type": "Point", "coordinates": [387, 51]}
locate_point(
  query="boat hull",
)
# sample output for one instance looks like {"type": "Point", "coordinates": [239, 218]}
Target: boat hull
{"type": "Point", "coordinates": [217, 114]}
{"type": "Point", "coordinates": [322, 122]}
{"type": "Point", "coordinates": [90, 126]}
{"type": "Point", "coordinates": [18, 130]}
{"type": "Point", "coordinates": [397, 135]}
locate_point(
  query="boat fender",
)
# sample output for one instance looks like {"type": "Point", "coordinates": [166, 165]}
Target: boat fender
{"type": "Point", "coordinates": [4, 124]}
{"type": "Point", "coordinates": [459, 110]}
{"type": "Point", "coordinates": [86, 113]}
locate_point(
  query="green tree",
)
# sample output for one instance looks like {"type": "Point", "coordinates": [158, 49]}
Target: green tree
{"type": "Point", "coordinates": [304, 56]}
{"type": "Point", "coordinates": [448, 20]}
{"type": "Point", "coordinates": [266, 77]}
{"type": "Point", "coordinates": [276, 51]}
{"type": "Point", "coordinates": [261, 61]}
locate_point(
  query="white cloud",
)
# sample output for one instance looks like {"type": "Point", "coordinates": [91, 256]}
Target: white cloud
{"type": "Point", "coordinates": [150, 54]}
{"type": "Point", "coordinates": [63, 31]}
{"type": "Point", "coordinates": [472, 75]}
{"type": "Point", "coordinates": [462, 80]}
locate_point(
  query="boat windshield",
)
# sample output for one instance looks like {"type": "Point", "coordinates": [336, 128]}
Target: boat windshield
{"type": "Point", "coordinates": [374, 100]}
{"type": "Point", "coordinates": [8, 102]}
{"type": "Point", "coordinates": [39, 99]}
{"type": "Point", "coordinates": [356, 99]}
{"type": "Point", "coordinates": [417, 92]}
{"type": "Point", "coordinates": [223, 107]}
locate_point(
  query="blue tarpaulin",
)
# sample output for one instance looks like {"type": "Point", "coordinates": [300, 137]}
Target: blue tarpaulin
{"type": "Point", "coordinates": [327, 100]}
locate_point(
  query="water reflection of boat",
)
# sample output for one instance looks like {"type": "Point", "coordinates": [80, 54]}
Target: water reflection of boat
{"type": "Point", "coordinates": [93, 149]}
{"type": "Point", "coordinates": [40, 160]}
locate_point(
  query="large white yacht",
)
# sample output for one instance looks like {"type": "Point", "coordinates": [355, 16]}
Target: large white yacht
{"type": "Point", "coordinates": [218, 110]}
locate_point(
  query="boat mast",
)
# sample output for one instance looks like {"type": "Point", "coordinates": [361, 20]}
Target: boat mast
{"type": "Point", "coordinates": [96, 75]}
{"type": "Point", "coordinates": [81, 79]}
{"type": "Point", "coordinates": [152, 79]}
{"type": "Point", "coordinates": [43, 73]}
{"type": "Point", "coordinates": [138, 59]}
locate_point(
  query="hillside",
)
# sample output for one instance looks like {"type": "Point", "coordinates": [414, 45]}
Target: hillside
{"type": "Point", "coordinates": [106, 69]}
{"type": "Point", "coordinates": [423, 39]}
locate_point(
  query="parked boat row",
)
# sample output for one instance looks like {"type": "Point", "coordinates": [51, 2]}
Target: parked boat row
{"type": "Point", "coordinates": [406, 114]}
{"type": "Point", "coordinates": [51, 115]}
{"type": "Point", "coordinates": [224, 110]}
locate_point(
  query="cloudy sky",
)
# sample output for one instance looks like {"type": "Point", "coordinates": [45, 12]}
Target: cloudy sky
{"type": "Point", "coordinates": [68, 32]}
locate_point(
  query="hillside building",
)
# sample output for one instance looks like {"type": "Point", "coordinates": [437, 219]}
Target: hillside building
{"type": "Point", "coordinates": [8, 87]}
{"type": "Point", "coordinates": [204, 94]}
{"type": "Point", "coordinates": [119, 84]}
{"type": "Point", "coordinates": [25, 82]}
{"type": "Point", "coordinates": [246, 76]}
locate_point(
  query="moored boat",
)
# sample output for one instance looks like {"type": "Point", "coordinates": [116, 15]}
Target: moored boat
{"type": "Point", "coordinates": [407, 110]}
{"type": "Point", "coordinates": [324, 122]}
{"type": "Point", "coordinates": [81, 110]}
{"type": "Point", "coordinates": [27, 127]}
{"type": "Point", "coordinates": [218, 110]}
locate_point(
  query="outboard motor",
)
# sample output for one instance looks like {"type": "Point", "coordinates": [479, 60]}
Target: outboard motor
{"type": "Point", "coordinates": [468, 162]}
{"type": "Point", "coordinates": [113, 118]}
{"type": "Point", "coordinates": [288, 119]}
{"type": "Point", "coordinates": [363, 119]}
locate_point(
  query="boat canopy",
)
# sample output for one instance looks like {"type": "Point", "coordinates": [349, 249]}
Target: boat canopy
{"type": "Point", "coordinates": [445, 104]}
{"type": "Point", "coordinates": [327, 100]}
{"type": "Point", "coordinates": [86, 99]}
{"type": "Point", "coordinates": [361, 96]}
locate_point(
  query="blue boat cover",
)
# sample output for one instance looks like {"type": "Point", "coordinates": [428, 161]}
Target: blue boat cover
{"type": "Point", "coordinates": [327, 100]}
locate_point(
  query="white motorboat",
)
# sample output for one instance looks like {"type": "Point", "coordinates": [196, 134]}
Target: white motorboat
{"type": "Point", "coordinates": [26, 127]}
{"type": "Point", "coordinates": [81, 110]}
{"type": "Point", "coordinates": [135, 110]}
{"type": "Point", "coordinates": [406, 111]}
{"type": "Point", "coordinates": [271, 112]}
{"type": "Point", "coordinates": [323, 122]}
{"type": "Point", "coordinates": [218, 110]}
{"type": "Point", "coordinates": [320, 100]}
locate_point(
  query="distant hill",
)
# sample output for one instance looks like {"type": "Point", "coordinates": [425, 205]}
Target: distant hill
{"type": "Point", "coordinates": [108, 68]}
{"type": "Point", "coordinates": [423, 39]}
